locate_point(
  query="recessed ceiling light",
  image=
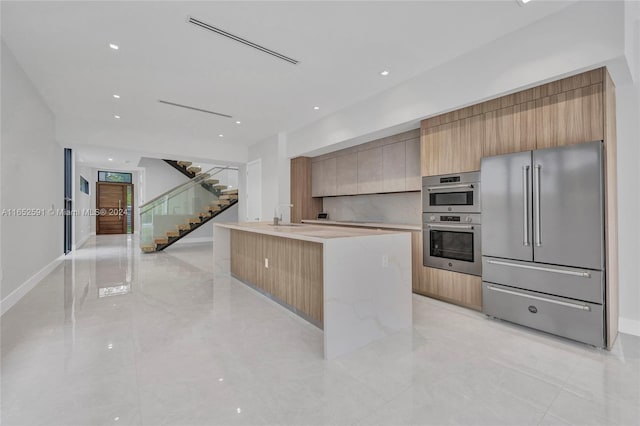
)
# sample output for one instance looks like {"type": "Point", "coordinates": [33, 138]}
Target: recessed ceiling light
{"type": "Point", "coordinates": [116, 116]}
{"type": "Point", "coordinates": [114, 46]}
{"type": "Point", "coordinates": [523, 2]}
{"type": "Point", "coordinates": [316, 108]}
{"type": "Point", "coordinates": [385, 72]}
{"type": "Point", "coordinates": [116, 96]}
{"type": "Point", "coordinates": [221, 135]}
{"type": "Point", "coordinates": [110, 159]}
{"type": "Point", "coordinates": [238, 122]}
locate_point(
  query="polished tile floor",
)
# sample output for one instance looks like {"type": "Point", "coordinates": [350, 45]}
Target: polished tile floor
{"type": "Point", "coordinates": [116, 337]}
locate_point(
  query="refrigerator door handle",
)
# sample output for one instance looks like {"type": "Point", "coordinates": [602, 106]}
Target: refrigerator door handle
{"type": "Point", "coordinates": [543, 299]}
{"type": "Point", "coordinates": [525, 205]}
{"type": "Point", "coordinates": [536, 201]}
{"type": "Point", "coordinates": [582, 274]}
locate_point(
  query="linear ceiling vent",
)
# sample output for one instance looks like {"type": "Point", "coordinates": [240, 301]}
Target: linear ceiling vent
{"type": "Point", "coordinates": [194, 108]}
{"type": "Point", "coordinates": [208, 27]}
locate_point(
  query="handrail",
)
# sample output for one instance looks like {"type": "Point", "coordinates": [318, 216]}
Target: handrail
{"type": "Point", "coordinates": [181, 188]}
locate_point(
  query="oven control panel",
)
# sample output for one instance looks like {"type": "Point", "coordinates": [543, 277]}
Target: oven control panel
{"type": "Point", "coordinates": [473, 218]}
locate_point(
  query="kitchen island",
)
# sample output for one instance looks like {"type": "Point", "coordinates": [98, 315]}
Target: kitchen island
{"type": "Point", "coordinates": [353, 283]}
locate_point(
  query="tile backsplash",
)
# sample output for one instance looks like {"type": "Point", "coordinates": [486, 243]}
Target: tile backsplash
{"type": "Point", "coordinates": [402, 207]}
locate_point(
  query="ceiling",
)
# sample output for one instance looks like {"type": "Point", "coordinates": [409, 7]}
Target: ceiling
{"type": "Point", "coordinates": [342, 48]}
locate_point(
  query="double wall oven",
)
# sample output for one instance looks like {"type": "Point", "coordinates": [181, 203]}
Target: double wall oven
{"type": "Point", "coordinates": [451, 228]}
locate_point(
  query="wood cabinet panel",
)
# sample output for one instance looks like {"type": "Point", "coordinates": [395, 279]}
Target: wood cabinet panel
{"type": "Point", "coordinates": [453, 147]}
{"type": "Point", "coordinates": [347, 174]}
{"type": "Point", "coordinates": [570, 117]}
{"type": "Point", "coordinates": [394, 167]}
{"type": "Point", "coordinates": [510, 129]}
{"type": "Point", "coordinates": [412, 165]}
{"type": "Point", "coordinates": [323, 177]}
{"type": "Point", "coordinates": [294, 275]}
{"type": "Point", "coordinates": [304, 205]}
{"type": "Point", "coordinates": [370, 171]}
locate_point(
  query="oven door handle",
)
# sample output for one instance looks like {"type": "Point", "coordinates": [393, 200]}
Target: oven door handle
{"type": "Point", "coordinates": [445, 187]}
{"type": "Point", "coordinates": [451, 226]}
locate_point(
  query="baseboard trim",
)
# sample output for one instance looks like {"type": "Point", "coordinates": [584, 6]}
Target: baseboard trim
{"type": "Point", "coordinates": [187, 240]}
{"type": "Point", "coordinates": [81, 243]}
{"type": "Point", "coordinates": [25, 287]}
{"type": "Point", "coordinates": [629, 326]}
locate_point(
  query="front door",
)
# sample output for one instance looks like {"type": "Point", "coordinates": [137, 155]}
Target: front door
{"type": "Point", "coordinates": [111, 203]}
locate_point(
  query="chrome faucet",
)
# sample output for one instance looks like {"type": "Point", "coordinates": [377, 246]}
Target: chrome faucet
{"type": "Point", "coordinates": [277, 218]}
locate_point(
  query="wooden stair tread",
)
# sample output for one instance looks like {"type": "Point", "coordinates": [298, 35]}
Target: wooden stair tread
{"type": "Point", "coordinates": [195, 220]}
{"type": "Point", "coordinates": [212, 181]}
{"type": "Point", "coordinates": [173, 233]}
{"type": "Point", "coordinates": [230, 191]}
{"type": "Point", "coordinates": [148, 248]}
{"type": "Point", "coordinates": [162, 240]}
{"type": "Point", "coordinates": [220, 187]}
{"type": "Point", "coordinates": [183, 227]}
{"type": "Point", "coordinates": [194, 169]}
{"type": "Point", "coordinates": [229, 197]}
{"type": "Point", "coordinates": [184, 163]}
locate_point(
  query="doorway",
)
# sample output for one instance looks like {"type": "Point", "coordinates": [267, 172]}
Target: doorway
{"type": "Point", "coordinates": [114, 203]}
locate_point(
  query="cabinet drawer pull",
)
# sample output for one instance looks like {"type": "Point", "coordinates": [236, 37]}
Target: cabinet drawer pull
{"type": "Point", "coordinates": [543, 299]}
{"type": "Point", "coordinates": [541, 268]}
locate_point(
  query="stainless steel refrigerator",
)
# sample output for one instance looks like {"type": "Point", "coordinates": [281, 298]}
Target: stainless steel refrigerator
{"type": "Point", "coordinates": [543, 251]}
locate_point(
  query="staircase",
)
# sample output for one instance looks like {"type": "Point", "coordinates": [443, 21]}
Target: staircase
{"type": "Point", "coordinates": [183, 209]}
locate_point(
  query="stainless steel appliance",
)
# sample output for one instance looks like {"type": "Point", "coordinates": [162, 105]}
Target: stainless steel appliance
{"type": "Point", "coordinates": [452, 241]}
{"type": "Point", "coordinates": [543, 243]}
{"type": "Point", "coordinates": [451, 193]}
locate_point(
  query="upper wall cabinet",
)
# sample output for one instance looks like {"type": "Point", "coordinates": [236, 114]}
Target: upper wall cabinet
{"type": "Point", "coordinates": [370, 171]}
{"type": "Point", "coordinates": [323, 177]}
{"type": "Point", "coordinates": [510, 129]}
{"type": "Point", "coordinates": [412, 166]}
{"type": "Point", "coordinates": [390, 164]}
{"type": "Point", "coordinates": [394, 165]}
{"type": "Point", "coordinates": [570, 117]}
{"type": "Point", "coordinates": [347, 174]}
{"type": "Point", "coordinates": [453, 147]}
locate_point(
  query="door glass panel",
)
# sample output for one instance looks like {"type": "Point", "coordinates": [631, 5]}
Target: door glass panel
{"type": "Point", "coordinates": [452, 245]}
{"type": "Point", "coordinates": [464, 198]}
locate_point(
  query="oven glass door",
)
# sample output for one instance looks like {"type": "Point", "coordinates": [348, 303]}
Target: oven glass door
{"type": "Point", "coordinates": [450, 244]}
{"type": "Point", "coordinates": [451, 198]}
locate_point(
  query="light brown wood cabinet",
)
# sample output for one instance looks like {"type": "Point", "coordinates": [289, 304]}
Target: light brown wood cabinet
{"type": "Point", "coordinates": [370, 171]}
{"type": "Point", "coordinates": [511, 129]}
{"type": "Point", "coordinates": [570, 117]}
{"type": "Point", "coordinates": [453, 147]}
{"type": "Point", "coordinates": [412, 165]}
{"type": "Point", "coordinates": [323, 177]}
{"type": "Point", "coordinates": [394, 165]}
{"type": "Point", "coordinates": [347, 174]}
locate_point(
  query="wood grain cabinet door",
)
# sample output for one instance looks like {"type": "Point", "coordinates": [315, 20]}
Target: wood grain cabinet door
{"type": "Point", "coordinates": [347, 174]}
{"type": "Point", "coordinates": [412, 165]}
{"type": "Point", "coordinates": [328, 186]}
{"type": "Point", "coordinates": [370, 171]}
{"type": "Point", "coordinates": [510, 130]}
{"type": "Point", "coordinates": [394, 167]}
{"type": "Point", "coordinates": [316, 179]}
{"type": "Point", "coordinates": [570, 117]}
{"type": "Point", "coordinates": [453, 147]}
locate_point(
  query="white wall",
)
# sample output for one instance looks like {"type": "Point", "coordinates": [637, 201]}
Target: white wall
{"type": "Point", "coordinates": [582, 36]}
{"type": "Point", "coordinates": [84, 225]}
{"type": "Point", "coordinates": [275, 176]}
{"type": "Point", "coordinates": [29, 244]}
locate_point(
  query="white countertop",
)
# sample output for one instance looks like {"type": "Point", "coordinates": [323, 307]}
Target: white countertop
{"type": "Point", "coordinates": [306, 232]}
{"type": "Point", "coordinates": [404, 227]}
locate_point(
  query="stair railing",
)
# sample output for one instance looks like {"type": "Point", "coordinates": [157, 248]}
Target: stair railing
{"type": "Point", "coordinates": [162, 215]}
